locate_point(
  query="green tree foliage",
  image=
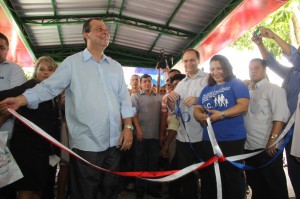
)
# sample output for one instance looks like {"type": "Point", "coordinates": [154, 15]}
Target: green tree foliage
{"type": "Point", "coordinates": [279, 22]}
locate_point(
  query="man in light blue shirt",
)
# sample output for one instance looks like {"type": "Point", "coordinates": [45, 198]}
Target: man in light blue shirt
{"type": "Point", "coordinates": [291, 84]}
{"type": "Point", "coordinates": [96, 99]}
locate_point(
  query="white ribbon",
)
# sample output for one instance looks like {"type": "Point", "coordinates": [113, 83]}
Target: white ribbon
{"type": "Point", "coordinates": [217, 150]}
{"type": "Point", "coordinates": [278, 139]}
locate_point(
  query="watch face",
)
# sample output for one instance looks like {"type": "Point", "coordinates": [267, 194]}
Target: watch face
{"type": "Point", "coordinates": [128, 126]}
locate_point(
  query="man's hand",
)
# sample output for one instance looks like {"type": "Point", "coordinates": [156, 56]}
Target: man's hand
{"type": "Point", "coordinates": [139, 135]}
{"type": "Point", "coordinates": [173, 96]}
{"type": "Point", "coordinates": [267, 33]}
{"type": "Point", "coordinates": [4, 114]}
{"type": "Point", "coordinates": [272, 150]}
{"type": "Point", "coordinates": [3, 110]}
{"type": "Point", "coordinates": [162, 140]}
{"type": "Point", "coordinates": [190, 101]}
{"type": "Point", "coordinates": [126, 139]}
{"type": "Point", "coordinates": [257, 40]}
{"type": "Point", "coordinates": [14, 102]}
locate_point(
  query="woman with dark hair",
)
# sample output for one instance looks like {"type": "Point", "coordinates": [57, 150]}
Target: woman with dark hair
{"type": "Point", "coordinates": [30, 150]}
{"type": "Point", "coordinates": [224, 101]}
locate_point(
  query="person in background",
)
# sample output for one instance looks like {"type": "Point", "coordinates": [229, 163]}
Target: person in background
{"type": "Point", "coordinates": [30, 150]}
{"type": "Point", "coordinates": [135, 84]}
{"type": "Point", "coordinates": [291, 84]}
{"type": "Point", "coordinates": [169, 86]}
{"type": "Point", "coordinates": [189, 138]}
{"type": "Point", "coordinates": [169, 147]}
{"type": "Point", "coordinates": [127, 157]}
{"type": "Point", "coordinates": [154, 88]}
{"type": "Point", "coordinates": [224, 100]}
{"type": "Point", "coordinates": [96, 99]}
{"type": "Point", "coordinates": [165, 114]}
{"type": "Point", "coordinates": [162, 91]}
{"type": "Point", "coordinates": [11, 75]}
{"type": "Point", "coordinates": [63, 176]}
{"type": "Point", "coordinates": [173, 124]}
{"type": "Point", "coordinates": [267, 114]}
{"type": "Point", "coordinates": [146, 141]}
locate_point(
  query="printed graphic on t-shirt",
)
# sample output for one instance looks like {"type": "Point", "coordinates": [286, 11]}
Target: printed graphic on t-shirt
{"type": "Point", "coordinates": [216, 98]}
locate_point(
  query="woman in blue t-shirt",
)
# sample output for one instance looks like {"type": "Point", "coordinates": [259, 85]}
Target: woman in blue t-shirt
{"type": "Point", "coordinates": [224, 100]}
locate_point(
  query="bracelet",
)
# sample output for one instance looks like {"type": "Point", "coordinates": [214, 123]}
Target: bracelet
{"type": "Point", "coordinates": [273, 136]}
{"type": "Point", "coordinates": [223, 115]}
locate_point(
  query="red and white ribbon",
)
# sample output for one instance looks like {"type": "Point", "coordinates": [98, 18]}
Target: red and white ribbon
{"type": "Point", "coordinates": [162, 176]}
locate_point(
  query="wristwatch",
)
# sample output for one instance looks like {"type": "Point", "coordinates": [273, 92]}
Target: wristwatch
{"type": "Point", "coordinates": [128, 126]}
{"type": "Point", "coordinates": [273, 136]}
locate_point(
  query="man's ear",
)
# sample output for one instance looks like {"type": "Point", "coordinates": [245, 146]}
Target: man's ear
{"type": "Point", "coordinates": [85, 35]}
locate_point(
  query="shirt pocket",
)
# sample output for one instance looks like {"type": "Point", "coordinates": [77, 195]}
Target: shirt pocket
{"type": "Point", "coordinates": [259, 106]}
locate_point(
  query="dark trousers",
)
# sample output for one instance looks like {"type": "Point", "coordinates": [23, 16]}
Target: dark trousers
{"type": "Point", "coordinates": [187, 154]}
{"type": "Point", "coordinates": [146, 156]}
{"type": "Point", "coordinates": [233, 181]}
{"type": "Point", "coordinates": [267, 182]}
{"type": "Point", "coordinates": [174, 186]}
{"type": "Point", "coordinates": [90, 183]}
{"type": "Point", "coordinates": [293, 168]}
{"type": "Point", "coordinates": [127, 164]}
{"type": "Point", "coordinates": [8, 192]}
{"type": "Point", "coordinates": [48, 192]}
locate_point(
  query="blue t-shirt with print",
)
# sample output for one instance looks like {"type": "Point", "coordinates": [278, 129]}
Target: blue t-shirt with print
{"type": "Point", "coordinates": [222, 97]}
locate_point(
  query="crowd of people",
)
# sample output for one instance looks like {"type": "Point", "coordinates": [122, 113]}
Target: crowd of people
{"type": "Point", "coordinates": [85, 104]}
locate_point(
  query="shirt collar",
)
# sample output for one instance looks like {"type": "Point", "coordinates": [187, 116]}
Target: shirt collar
{"type": "Point", "coordinates": [87, 55]}
{"type": "Point", "coordinates": [143, 93]}
{"type": "Point", "coordinates": [199, 74]}
{"type": "Point", "coordinates": [5, 62]}
{"type": "Point", "coordinates": [261, 82]}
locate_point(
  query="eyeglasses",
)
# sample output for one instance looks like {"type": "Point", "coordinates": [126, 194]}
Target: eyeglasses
{"type": "Point", "coordinates": [162, 91]}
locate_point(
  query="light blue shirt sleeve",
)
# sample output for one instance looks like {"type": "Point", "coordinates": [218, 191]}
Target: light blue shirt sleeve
{"type": "Point", "coordinates": [275, 66]}
{"type": "Point", "coordinates": [294, 58]}
{"type": "Point", "coordinates": [49, 88]}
